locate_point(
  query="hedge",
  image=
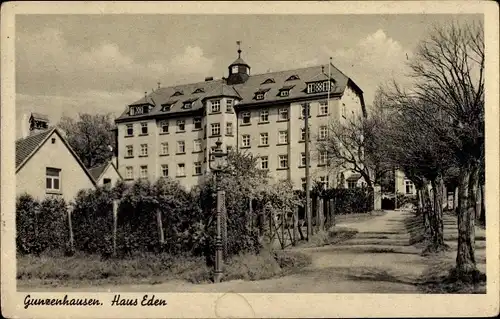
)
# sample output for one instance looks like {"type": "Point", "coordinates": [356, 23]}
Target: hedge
{"type": "Point", "coordinates": [41, 226]}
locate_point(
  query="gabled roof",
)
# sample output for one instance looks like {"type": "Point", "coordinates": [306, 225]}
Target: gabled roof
{"type": "Point", "coordinates": [27, 147]}
{"type": "Point", "coordinates": [38, 116]}
{"type": "Point", "coordinates": [98, 171]}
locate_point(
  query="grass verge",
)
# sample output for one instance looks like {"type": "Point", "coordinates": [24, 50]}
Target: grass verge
{"type": "Point", "coordinates": [53, 269]}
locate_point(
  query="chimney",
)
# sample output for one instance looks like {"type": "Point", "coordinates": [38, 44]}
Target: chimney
{"type": "Point", "coordinates": [25, 126]}
{"type": "Point", "coordinates": [209, 78]}
{"type": "Point", "coordinates": [38, 123]}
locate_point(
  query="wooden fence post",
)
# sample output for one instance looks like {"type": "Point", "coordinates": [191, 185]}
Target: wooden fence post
{"type": "Point", "coordinates": [295, 224]}
{"type": "Point", "coordinates": [70, 226]}
{"type": "Point", "coordinates": [115, 224]}
{"type": "Point", "coordinates": [321, 207]}
{"type": "Point", "coordinates": [332, 211]}
{"type": "Point", "coordinates": [160, 226]}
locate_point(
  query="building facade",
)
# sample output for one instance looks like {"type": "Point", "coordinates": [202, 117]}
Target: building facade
{"type": "Point", "coordinates": [46, 166]}
{"type": "Point", "coordinates": [171, 131]}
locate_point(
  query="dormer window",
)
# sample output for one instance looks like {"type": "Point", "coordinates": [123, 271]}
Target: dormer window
{"type": "Point", "coordinates": [177, 93]}
{"type": "Point", "coordinates": [261, 94]}
{"type": "Point", "coordinates": [319, 87]}
{"type": "Point", "coordinates": [268, 81]}
{"type": "Point", "coordinates": [166, 107]}
{"type": "Point", "coordinates": [199, 90]}
{"type": "Point", "coordinates": [139, 109]}
{"type": "Point", "coordinates": [293, 78]}
{"type": "Point", "coordinates": [285, 91]}
{"type": "Point", "coordinates": [189, 103]}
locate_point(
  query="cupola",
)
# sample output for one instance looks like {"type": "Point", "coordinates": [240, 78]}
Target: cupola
{"type": "Point", "coordinates": [239, 70]}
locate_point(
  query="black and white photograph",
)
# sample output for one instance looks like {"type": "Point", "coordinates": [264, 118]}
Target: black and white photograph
{"type": "Point", "coordinates": [234, 148]}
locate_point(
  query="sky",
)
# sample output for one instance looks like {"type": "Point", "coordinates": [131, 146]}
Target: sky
{"type": "Point", "coordinates": [70, 64]}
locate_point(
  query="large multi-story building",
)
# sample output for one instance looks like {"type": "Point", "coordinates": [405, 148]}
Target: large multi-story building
{"type": "Point", "coordinates": [170, 131]}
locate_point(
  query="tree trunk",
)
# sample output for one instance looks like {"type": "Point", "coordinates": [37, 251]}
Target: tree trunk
{"type": "Point", "coordinates": [466, 262]}
{"type": "Point", "coordinates": [437, 240]}
{"type": "Point", "coordinates": [483, 209]}
{"type": "Point", "coordinates": [427, 210]}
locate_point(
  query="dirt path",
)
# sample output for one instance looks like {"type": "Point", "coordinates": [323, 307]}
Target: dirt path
{"type": "Point", "coordinates": [379, 259]}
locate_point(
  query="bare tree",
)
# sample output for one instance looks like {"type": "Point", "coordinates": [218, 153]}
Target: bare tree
{"type": "Point", "coordinates": [90, 137]}
{"type": "Point", "coordinates": [351, 144]}
{"type": "Point", "coordinates": [448, 70]}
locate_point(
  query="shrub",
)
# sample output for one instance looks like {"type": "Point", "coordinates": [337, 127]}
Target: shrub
{"type": "Point", "coordinates": [252, 267]}
{"type": "Point", "coordinates": [40, 226]}
{"type": "Point", "coordinates": [292, 261]}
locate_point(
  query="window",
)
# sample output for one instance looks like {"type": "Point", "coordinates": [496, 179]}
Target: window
{"type": "Point", "coordinates": [264, 162]}
{"type": "Point", "coordinates": [106, 181]}
{"type": "Point", "coordinates": [352, 184]}
{"type": "Point", "coordinates": [283, 114]}
{"type": "Point", "coordinates": [408, 187]}
{"type": "Point", "coordinates": [129, 172]}
{"type": "Point", "coordinates": [292, 78]}
{"type": "Point", "coordinates": [245, 139]}
{"type": "Point", "coordinates": [264, 116]}
{"type": "Point", "coordinates": [318, 87]}
{"type": "Point", "coordinates": [323, 157]}
{"type": "Point", "coordinates": [323, 108]}
{"type": "Point", "coordinates": [264, 139]}
{"type": "Point", "coordinates": [181, 125]}
{"type": "Point", "coordinates": [229, 106]}
{"type": "Point", "coordinates": [199, 90]}
{"type": "Point", "coordinates": [246, 117]}
{"type": "Point", "coordinates": [197, 168]}
{"type": "Point", "coordinates": [197, 146]}
{"type": "Point", "coordinates": [323, 132]}
{"type": "Point", "coordinates": [304, 185]}
{"type": "Point", "coordinates": [144, 149]}
{"type": "Point", "coordinates": [302, 159]}
{"type": "Point", "coordinates": [164, 148]}
{"type": "Point", "coordinates": [215, 129]}
{"type": "Point", "coordinates": [283, 161]}
{"type": "Point", "coordinates": [284, 93]}
{"type": "Point", "coordinates": [166, 107]}
{"type": "Point", "coordinates": [181, 147]}
{"type": "Point", "coordinates": [52, 179]}
{"type": "Point", "coordinates": [268, 81]}
{"type": "Point", "coordinates": [259, 96]}
{"type": "Point", "coordinates": [138, 110]}
{"type": "Point", "coordinates": [187, 105]}
{"type": "Point", "coordinates": [144, 128]}
{"type": "Point", "coordinates": [197, 123]}
{"type": "Point", "coordinates": [177, 93]}
{"type": "Point", "coordinates": [283, 137]}
{"type": "Point", "coordinates": [215, 106]}
{"type": "Point", "coordinates": [323, 180]}
{"type": "Point", "coordinates": [130, 150]}
{"type": "Point", "coordinates": [144, 171]}
{"type": "Point", "coordinates": [181, 169]}
{"type": "Point", "coordinates": [229, 128]}
{"type": "Point", "coordinates": [303, 134]}
{"type": "Point", "coordinates": [303, 112]}
{"type": "Point", "coordinates": [164, 126]}
{"type": "Point", "coordinates": [130, 129]}
{"type": "Point", "coordinates": [234, 69]}
{"type": "Point", "coordinates": [164, 170]}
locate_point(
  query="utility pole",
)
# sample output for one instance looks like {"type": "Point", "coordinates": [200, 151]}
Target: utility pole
{"type": "Point", "coordinates": [308, 178]}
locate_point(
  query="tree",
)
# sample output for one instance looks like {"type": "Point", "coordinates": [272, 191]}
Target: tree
{"type": "Point", "coordinates": [351, 144]}
{"type": "Point", "coordinates": [90, 137]}
{"type": "Point", "coordinates": [448, 98]}
{"type": "Point", "coordinates": [411, 146]}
